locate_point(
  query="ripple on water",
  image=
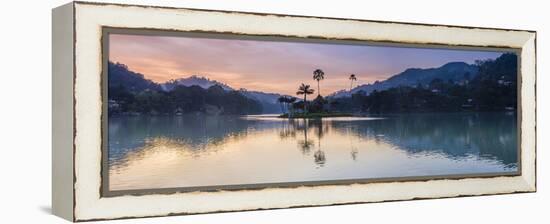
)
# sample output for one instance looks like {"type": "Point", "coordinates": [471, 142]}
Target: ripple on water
{"type": "Point", "coordinates": [275, 117]}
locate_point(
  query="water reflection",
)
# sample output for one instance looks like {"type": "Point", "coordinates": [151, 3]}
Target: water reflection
{"type": "Point", "coordinates": [162, 152]}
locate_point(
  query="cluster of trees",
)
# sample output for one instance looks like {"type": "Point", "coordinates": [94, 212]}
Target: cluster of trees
{"type": "Point", "coordinates": [130, 93]}
{"type": "Point", "coordinates": [181, 100]}
{"type": "Point", "coordinates": [493, 89]}
{"type": "Point", "coordinates": [286, 102]}
{"type": "Point", "coordinates": [317, 106]}
{"type": "Point", "coordinates": [120, 75]}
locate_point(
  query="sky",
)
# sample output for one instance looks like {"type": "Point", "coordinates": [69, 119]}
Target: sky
{"type": "Point", "coordinates": [274, 66]}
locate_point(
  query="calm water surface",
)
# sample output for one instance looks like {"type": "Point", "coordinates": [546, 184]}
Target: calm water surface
{"type": "Point", "coordinates": [193, 150]}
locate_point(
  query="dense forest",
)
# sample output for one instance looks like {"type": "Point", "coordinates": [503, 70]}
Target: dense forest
{"type": "Point", "coordinates": [493, 89]}
{"type": "Point", "coordinates": [489, 85]}
{"type": "Point", "coordinates": [131, 94]}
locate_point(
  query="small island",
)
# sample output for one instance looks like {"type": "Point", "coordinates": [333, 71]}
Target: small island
{"type": "Point", "coordinates": [315, 115]}
{"type": "Point", "coordinates": [229, 111]}
{"type": "Point", "coordinates": [317, 108]}
{"type": "Point", "coordinates": [486, 86]}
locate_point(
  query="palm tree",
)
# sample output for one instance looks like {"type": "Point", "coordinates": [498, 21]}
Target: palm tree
{"type": "Point", "coordinates": [290, 101]}
{"type": "Point", "coordinates": [282, 100]}
{"type": "Point", "coordinates": [352, 78]}
{"type": "Point", "coordinates": [305, 90]}
{"type": "Point", "coordinates": [318, 75]}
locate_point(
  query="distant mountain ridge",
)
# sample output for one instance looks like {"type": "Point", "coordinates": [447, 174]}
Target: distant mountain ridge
{"type": "Point", "coordinates": [489, 85]}
{"type": "Point", "coordinates": [120, 75]}
{"type": "Point", "coordinates": [453, 71]}
{"type": "Point", "coordinates": [267, 100]}
{"type": "Point", "coordinates": [193, 80]}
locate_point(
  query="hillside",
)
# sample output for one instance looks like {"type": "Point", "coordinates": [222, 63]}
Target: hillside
{"type": "Point", "coordinates": [454, 71]}
{"type": "Point", "coordinates": [193, 80]}
{"type": "Point", "coordinates": [267, 100]}
{"type": "Point", "coordinates": [493, 87]}
{"type": "Point", "coordinates": [121, 76]}
{"type": "Point", "coordinates": [125, 85]}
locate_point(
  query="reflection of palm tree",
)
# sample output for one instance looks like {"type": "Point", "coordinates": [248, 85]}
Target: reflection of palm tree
{"type": "Point", "coordinates": [319, 158]}
{"type": "Point", "coordinates": [321, 128]}
{"type": "Point", "coordinates": [354, 150]}
{"type": "Point", "coordinates": [318, 75]}
{"type": "Point", "coordinates": [468, 141]}
{"type": "Point", "coordinates": [305, 90]}
{"type": "Point", "coordinates": [352, 77]}
{"type": "Point", "coordinates": [305, 144]}
{"type": "Point", "coordinates": [354, 153]}
{"type": "Point", "coordinates": [288, 130]}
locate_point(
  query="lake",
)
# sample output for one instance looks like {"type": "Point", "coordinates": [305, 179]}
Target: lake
{"type": "Point", "coordinates": [151, 152]}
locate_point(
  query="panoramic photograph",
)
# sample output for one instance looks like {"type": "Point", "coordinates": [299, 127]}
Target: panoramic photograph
{"type": "Point", "coordinates": [196, 111]}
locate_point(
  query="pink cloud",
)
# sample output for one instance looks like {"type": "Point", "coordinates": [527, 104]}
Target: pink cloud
{"type": "Point", "coordinates": [272, 66]}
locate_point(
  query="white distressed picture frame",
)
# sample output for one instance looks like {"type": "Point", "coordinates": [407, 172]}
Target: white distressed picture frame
{"type": "Point", "coordinates": [77, 110]}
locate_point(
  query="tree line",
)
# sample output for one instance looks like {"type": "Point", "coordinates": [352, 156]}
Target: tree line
{"type": "Point", "coordinates": [493, 89]}
{"type": "Point", "coordinates": [130, 94]}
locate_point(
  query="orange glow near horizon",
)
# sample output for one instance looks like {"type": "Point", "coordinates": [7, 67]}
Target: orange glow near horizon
{"type": "Point", "coordinates": [269, 66]}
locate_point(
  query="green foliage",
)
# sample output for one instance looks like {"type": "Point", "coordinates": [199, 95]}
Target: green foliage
{"type": "Point", "coordinates": [119, 75]}
{"type": "Point", "coordinates": [494, 89]}
{"type": "Point", "coordinates": [318, 75]}
{"type": "Point", "coordinates": [183, 100]}
{"type": "Point", "coordinates": [316, 115]}
{"type": "Point", "coordinates": [305, 90]}
{"type": "Point", "coordinates": [352, 78]}
{"type": "Point", "coordinates": [130, 93]}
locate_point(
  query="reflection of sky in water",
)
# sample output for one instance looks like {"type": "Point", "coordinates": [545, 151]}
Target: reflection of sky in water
{"type": "Point", "coordinates": [270, 117]}
{"type": "Point", "coordinates": [167, 152]}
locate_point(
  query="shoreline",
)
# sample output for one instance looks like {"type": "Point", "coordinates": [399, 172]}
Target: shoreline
{"type": "Point", "coordinates": [311, 115]}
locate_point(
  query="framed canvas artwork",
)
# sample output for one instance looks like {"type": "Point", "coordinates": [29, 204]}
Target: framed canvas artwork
{"type": "Point", "coordinates": [168, 111]}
